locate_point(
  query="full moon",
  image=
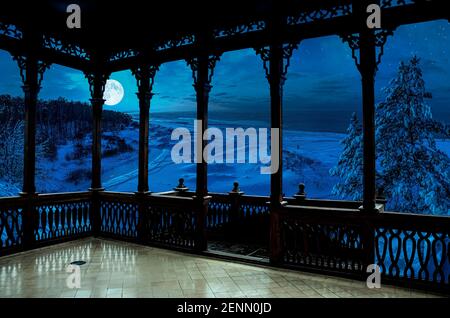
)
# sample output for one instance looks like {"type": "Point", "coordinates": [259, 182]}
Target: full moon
{"type": "Point", "coordinates": [113, 92]}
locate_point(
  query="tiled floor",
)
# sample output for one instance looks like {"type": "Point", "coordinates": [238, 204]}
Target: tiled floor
{"type": "Point", "coordinates": [117, 269]}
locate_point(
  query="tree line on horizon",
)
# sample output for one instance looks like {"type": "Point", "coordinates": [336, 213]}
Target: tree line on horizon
{"type": "Point", "coordinates": [57, 122]}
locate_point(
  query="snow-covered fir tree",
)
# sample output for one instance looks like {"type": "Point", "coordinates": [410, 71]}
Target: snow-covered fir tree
{"type": "Point", "coordinates": [415, 173]}
{"type": "Point", "coordinates": [349, 167]}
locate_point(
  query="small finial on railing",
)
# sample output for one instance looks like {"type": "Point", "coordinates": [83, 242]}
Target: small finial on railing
{"type": "Point", "coordinates": [236, 189]}
{"type": "Point", "coordinates": [301, 195]}
{"type": "Point", "coordinates": [380, 192]}
{"type": "Point", "coordinates": [380, 198]}
{"type": "Point", "coordinates": [181, 187]}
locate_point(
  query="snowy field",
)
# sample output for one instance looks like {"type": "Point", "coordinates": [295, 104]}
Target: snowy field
{"type": "Point", "coordinates": [308, 157]}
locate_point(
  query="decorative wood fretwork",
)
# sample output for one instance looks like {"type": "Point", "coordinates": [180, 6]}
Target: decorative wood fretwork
{"type": "Point", "coordinates": [42, 66]}
{"type": "Point", "coordinates": [11, 31]}
{"type": "Point", "coordinates": [319, 14]}
{"type": "Point", "coordinates": [65, 47]}
{"type": "Point", "coordinates": [354, 41]}
{"type": "Point", "coordinates": [145, 77]}
{"type": "Point", "coordinates": [327, 236]}
{"type": "Point", "coordinates": [124, 54]}
{"type": "Point", "coordinates": [62, 220]}
{"type": "Point", "coordinates": [11, 229]}
{"type": "Point", "coordinates": [332, 247]}
{"type": "Point", "coordinates": [119, 218]}
{"type": "Point", "coordinates": [240, 29]}
{"type": "Point", "coordinates": [238, 217]}
{"type": "Point", "coordinates": [219, 209]}
{"type": "Point", "coordinates": [265, 54]}
{"type": "Point", "coordinates": [254, 206]}
{"type": "Point", "coordinates": [181, 41]}
{"type": "Point", "coordinates": [97, 82]}
{"type": "Point", "coordinates": [419, 255]}
{"type": "Point", "coordinates": [171, 226]}
{"type": "Point", "coordinates": [395, 3]}
{"type": "Point", "coordinates": [193, 63]}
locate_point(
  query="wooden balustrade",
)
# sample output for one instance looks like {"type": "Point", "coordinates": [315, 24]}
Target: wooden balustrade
{"type": "Point", "coordinates": [157, 219]}
{"type": "Point", "coordinates": [11, 225]}
{"type": "Point", "coordinates": [32, 221]}
{"type": "Point", "coordinates": [325, 236]}
{"type": "Point", "coordinates": [411, 250]}
{"type": "Point", "coordinates": [59, 217]}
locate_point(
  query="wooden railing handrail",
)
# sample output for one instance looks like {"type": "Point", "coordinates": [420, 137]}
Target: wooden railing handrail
{"type": "Point", "coordinates": [4, 201]}
{"type": "Point", "coordinates": [387, 219]}
{"type": "Point", "coordinates": [302, 205]}
{"type": "Point", "coordinates": [304, 221]}
{"type": "Point", "coordinates": [62, 197]}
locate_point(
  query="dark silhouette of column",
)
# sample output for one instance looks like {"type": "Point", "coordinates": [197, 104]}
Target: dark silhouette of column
{"type": "Point", "coordinates": [276, 62]}
{"type": "Point", "coordinates": [276, 79]}
{"type": "Point", "coordinates": [367, 41]}
{"type": "Point", "coordinates": [202, 69]}
{"type": "Point", "coordinates": [31, 72]}
{"type": "Point", "coordinates": [97, 81]}
{"type": "Point", "coordinates": [202, 89]}
{"type": "Point", "coordinates": [368, 67]}
{"type": "Point", "coordinates": [145, 77]}
{"type": "Point", "coordinates": [31, 89]}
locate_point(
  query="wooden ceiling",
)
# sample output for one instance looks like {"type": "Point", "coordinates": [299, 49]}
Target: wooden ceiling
{"type": "Point", "coordinates": [134, 31]}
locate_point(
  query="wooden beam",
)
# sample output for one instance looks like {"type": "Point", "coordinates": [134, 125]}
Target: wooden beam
{"type": "Point", "coordinates": [392, 18]}
{"type": "Point", "coordinates": [18, 47]}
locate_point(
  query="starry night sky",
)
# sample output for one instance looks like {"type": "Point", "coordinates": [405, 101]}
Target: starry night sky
{"type": "Point", "coordinates": [322, 88]}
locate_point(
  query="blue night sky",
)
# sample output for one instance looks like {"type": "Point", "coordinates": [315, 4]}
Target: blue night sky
{"type": "Point", "coordinates": [322, 90]}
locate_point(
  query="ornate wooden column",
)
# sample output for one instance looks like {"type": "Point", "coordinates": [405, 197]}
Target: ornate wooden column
{"type": "Point", "coordinates": [367, 42]}
{"type": "Point", "coordinates": [145, 76]}
{"type": "Point", "coordinates": [368, 69]}
{"type": "Point", "coordinates": [276, 59]}
{"type": "Point", "coordinates": [97, 81]}
{"type": "Point", "coordinates": [31, 72]}
{"type": "Point", "coordinates": [202, 71]}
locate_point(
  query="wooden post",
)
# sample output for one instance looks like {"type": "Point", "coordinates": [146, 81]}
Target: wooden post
{"type": "Point", "coordinates": [368, 68]}
{"type": "Point", "coordinates": [202, 88]}
{"type": "Point", "coordinates": [276, 179]}
{"type": "Point", "coordinates": [202, 68]}
{"type": "Point", "coordinates": [31, 89]}
{"type": "Point", "coordinates": [97, 106]}
{"type": "Point", "coordinates": [145, 77]}
{"type": "Point", "coordinates": [277, 57]}
{"type": "Point", "coordinates": [97, 81]}
{"type": "Point", "coordinates": [31, 72]}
